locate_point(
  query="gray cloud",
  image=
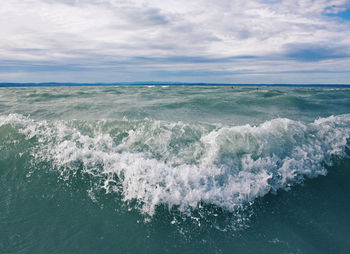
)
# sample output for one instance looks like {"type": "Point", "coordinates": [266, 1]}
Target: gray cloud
{"type": "Point", "coordinates": [309, 52]}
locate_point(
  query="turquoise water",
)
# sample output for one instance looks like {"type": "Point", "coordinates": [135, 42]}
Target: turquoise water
{"type": "Point", "coordinates": [171, 169]}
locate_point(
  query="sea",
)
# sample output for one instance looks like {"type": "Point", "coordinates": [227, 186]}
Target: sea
{"type": "Point", "coordinates": [174, 169]}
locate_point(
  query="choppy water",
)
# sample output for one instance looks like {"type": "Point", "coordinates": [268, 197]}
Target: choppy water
{"type": "Point", "coordinates": [169, 169]}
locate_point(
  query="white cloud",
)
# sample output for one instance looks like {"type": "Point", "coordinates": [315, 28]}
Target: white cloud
{"type": "Point", "coordinates": [96, 32]}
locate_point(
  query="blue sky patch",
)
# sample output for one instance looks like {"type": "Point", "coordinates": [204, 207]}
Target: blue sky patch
{"type": "Point", "coordinates": [344, 14]}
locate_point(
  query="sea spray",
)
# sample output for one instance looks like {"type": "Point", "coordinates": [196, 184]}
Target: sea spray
{"type": "Point", "coordinates": [184, 165]}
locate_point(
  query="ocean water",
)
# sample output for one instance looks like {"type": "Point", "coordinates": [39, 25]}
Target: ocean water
{"type": "Point", "coordinates": [174, 169]}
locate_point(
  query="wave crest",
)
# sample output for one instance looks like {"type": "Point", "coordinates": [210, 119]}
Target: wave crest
{"type": "Point", "coordinates": [183, 165]}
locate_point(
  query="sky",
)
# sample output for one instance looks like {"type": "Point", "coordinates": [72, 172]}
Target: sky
{"type": "Point", "coordinates": [212, 41]}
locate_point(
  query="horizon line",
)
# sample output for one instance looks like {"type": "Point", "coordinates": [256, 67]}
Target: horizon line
{"type": "Point", "coordinates": [157, 83]}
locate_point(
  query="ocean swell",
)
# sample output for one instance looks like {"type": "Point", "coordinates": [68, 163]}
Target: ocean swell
{"type": "Point", "coordinates": [183, 165]}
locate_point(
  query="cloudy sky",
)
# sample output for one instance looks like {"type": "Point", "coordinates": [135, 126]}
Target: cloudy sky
{"type": "Point", "coordinates": [231, 41]}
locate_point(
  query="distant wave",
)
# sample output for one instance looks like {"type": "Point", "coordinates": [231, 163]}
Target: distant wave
{"type": "Point", "coordinates": [182, 165]}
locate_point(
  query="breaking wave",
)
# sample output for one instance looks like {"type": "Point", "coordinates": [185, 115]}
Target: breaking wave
{"type": "Point", "coordinates": [184, 165]}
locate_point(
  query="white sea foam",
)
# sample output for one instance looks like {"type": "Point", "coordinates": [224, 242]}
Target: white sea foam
{"type": "Point", "coordinates": [183, 165]}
